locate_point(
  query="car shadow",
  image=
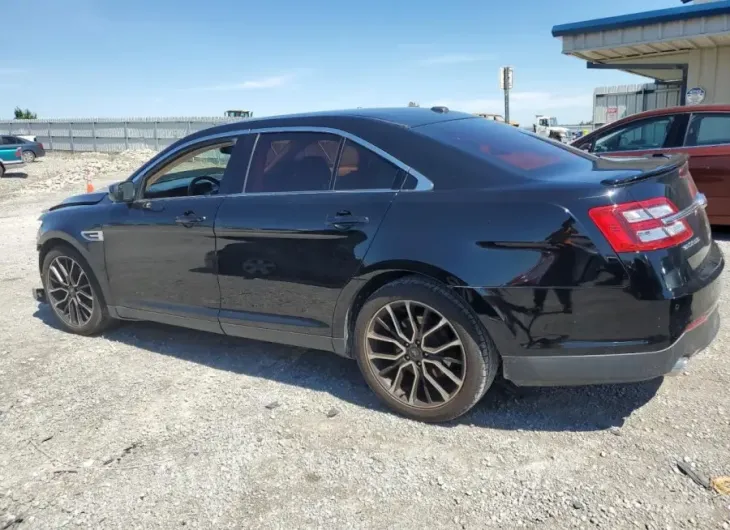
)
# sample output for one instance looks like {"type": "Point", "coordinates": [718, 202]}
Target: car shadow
{"type": "Point", "coordinates": [721, 233]}
{"type": "Point", "coordinates": [504, 407]}
{"type": "Point", "coordinates": [15, 175]}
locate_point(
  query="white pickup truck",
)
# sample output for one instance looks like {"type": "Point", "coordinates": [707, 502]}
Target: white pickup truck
{"type": "Point", "coordinates": [548, 126]}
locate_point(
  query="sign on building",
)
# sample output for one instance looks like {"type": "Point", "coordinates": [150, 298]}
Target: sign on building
{"type": "Point", "coordinates": [611, 114]}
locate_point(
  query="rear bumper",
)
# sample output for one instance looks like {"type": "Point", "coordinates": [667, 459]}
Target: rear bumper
{"type": "Point", "coordinates": [574, 370]}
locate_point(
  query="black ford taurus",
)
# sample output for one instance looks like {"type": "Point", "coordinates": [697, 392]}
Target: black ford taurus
{"type": "Point", "coordinates": [436, 248]}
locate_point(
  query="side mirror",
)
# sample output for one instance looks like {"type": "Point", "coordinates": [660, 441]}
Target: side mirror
{"type": "Point", "coordinates": [122, 192]}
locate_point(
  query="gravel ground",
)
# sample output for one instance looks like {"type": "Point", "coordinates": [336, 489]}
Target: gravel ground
{"type": "Point", "coordinates": [156, 427]}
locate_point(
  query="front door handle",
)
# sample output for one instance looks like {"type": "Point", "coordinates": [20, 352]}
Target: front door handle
{"type": "Point", "coordinates": [189, 219]}
{"type": "Point", "coordinates": [345, 222]}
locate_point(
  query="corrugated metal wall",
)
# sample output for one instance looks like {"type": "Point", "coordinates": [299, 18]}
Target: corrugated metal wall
{"type": "Point", "coordinates": [109, 135]}
{"type": "Point", "coordinates": [613, 103]}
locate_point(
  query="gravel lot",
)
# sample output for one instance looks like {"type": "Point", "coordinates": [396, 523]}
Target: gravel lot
{"type": "Point", "coordinates": [155, 427]}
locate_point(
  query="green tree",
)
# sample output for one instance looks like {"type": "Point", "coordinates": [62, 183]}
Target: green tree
{"type": "Point", "coordinates": [26, 114]}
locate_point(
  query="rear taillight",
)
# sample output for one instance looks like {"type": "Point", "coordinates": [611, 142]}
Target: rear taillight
{"type": "Point", "coordinates": [41, 145]}
{"type": "Point", "coordinates": [18, 152]}
{"type": "Point", "coordinates": [641, 226]}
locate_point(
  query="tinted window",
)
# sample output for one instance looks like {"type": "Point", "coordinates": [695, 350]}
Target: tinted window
{"type": "Point", "coordinates": [9, 140]}
{"type": "Point", "coordinates": [708, 129]}
{"type": "Point", "coordinates": [361, 169]}
{"type": "Point", "coordinates": [641, 135]}
{"type": "Point", "coordinates": [292, 162]}
{"type": "Point", "coordinates": [174, 179]}
{"type": "Point", "coordinates": [509, 148]}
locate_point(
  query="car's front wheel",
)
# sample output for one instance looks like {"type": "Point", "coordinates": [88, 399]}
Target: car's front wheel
{"type": "Point", "coordinates": [73, 292]}
{"type": "Point", "coordinates": [423, 351]}
{"type": "Point", "coordinates": [28, 156]}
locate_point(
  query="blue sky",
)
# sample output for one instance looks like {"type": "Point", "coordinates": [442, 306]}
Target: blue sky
{"type": "Point", "coordinates": [106, 58]}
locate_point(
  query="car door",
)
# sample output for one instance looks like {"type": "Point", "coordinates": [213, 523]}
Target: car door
{"type": "Point", "coordinates": [651, 136]}
{"type": "Point", "coordinates": [158, 247]}
{"type": "Point", "coordinates": [287, 246]}
{"type": "Point", "coordinates": [708, 143]}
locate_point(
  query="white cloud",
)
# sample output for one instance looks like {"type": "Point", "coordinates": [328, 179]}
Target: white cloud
{"type": "Point", "coordinates": [253, 84]}
{"type": "Point", "coordinates": [569, 108]}
{"type": "Point", "coordinates": [12, 71]}
{"type": "Point", "coordinates": [538, 101]}
{"type": "Point", "coordinates": [455, 58]}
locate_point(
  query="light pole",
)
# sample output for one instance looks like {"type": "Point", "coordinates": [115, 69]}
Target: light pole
{"type": "Point", "coordinates": [505, 83]}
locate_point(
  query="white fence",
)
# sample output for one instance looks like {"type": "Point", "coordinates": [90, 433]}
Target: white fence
{"type": "Point", "coordinates": [109, 135]}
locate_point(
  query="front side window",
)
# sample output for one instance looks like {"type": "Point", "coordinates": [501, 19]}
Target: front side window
{"type": "Point", "coordinates": [645, 134]}
{"type": "Point", "coordinates": [292, 161]}
{"type": "Point", "coordinates": [361, 169]}
{"type": "Point", "coordinates": [197, 172]}
{"type": "Point", "coordinates": [708, 129]}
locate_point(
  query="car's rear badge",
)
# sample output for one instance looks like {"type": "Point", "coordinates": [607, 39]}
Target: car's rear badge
{"type": "Point", "coordinates": [93, 235]}
{"type": "Point", "coordinates": [689, 244]}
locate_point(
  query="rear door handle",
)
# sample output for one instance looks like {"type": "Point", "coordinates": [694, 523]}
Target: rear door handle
{"type": "Point", "coordinates": [343, 222]}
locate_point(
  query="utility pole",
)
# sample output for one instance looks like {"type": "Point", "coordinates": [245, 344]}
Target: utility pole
{"type": "Point", "coordinates": [505, 83]}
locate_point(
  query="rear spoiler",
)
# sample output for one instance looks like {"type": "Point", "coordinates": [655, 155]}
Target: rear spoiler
{"type": "Point", "coordinates": [673, 163]}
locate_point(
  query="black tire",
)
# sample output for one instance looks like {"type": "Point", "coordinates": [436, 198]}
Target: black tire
{"type": "Point", "coordinates": [2, 171]}
{"type": "Point", "coordinates": [28, 157]}
{"type": "Point", "coordinates": [480, 355]}
{"type": "Point", "coordinates": [99, 318]}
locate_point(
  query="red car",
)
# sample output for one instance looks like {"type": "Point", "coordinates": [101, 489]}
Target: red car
{"type": "Point", "coordinates": [701, 131]}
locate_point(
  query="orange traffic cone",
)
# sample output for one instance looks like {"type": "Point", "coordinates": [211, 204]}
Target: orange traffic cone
{"type": "Point", "coordinates": [89, 186]}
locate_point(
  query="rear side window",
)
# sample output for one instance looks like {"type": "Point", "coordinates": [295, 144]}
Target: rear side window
{"type": "Point", "coordinates": [641, 135]}
{"type": "Point", "coordinates": [708, 129]}
{"type": "Point", "coordinates": [286, 162]}
{"type": "Point", "coordinates": [509, 148]}
{"type": "Point", "coordinates": [361, 169]}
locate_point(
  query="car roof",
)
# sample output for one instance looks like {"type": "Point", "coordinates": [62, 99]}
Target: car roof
{"type": "Point", "coordinates": [675, 110]}
{"type": "Point", "coordinates": [407, 117]}
{"type": "Point", "coordinates": [662, 112]}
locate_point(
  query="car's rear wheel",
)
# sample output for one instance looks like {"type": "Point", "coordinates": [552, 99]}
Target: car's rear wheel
{"type": "Point", "coordinates": [2, 171]}
{"type": "Point", "coordinates": [73, 292]}
{"type": "Point", "coordinates": [423, 351]}
{"type": "Point", "coordinates": [28, 156]}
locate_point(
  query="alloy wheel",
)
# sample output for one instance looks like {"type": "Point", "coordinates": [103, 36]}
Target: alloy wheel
{"type": "Point", "coordinates": [416, 354]}
{"type": "Point", "coordinates": [28, 156]}
{"type": "Point", "coordinates": [69, 292]}
{"type": "Point", "coordinates": [258, 266]}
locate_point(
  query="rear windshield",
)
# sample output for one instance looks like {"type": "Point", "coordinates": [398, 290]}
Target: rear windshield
{"type": "Point", "coordinates": [509, 148]}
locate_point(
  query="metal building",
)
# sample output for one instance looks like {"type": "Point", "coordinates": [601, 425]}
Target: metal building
{"type": "Point", "coordinates": [613, 103]}
{"type": "Point", "coordinates": [687, 47]}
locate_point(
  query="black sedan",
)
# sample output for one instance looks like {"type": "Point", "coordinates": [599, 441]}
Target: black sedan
{"type": "Point", "coordinates": [436, 248]}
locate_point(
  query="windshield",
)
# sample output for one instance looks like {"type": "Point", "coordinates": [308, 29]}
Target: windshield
{"type": "Point", "coordinates": [511, 149]}
{"type": "Point", "coordinates": [553, 122]}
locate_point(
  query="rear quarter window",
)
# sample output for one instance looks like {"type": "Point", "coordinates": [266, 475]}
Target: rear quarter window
{"type": "Point", "coordinates": [510, 149]}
